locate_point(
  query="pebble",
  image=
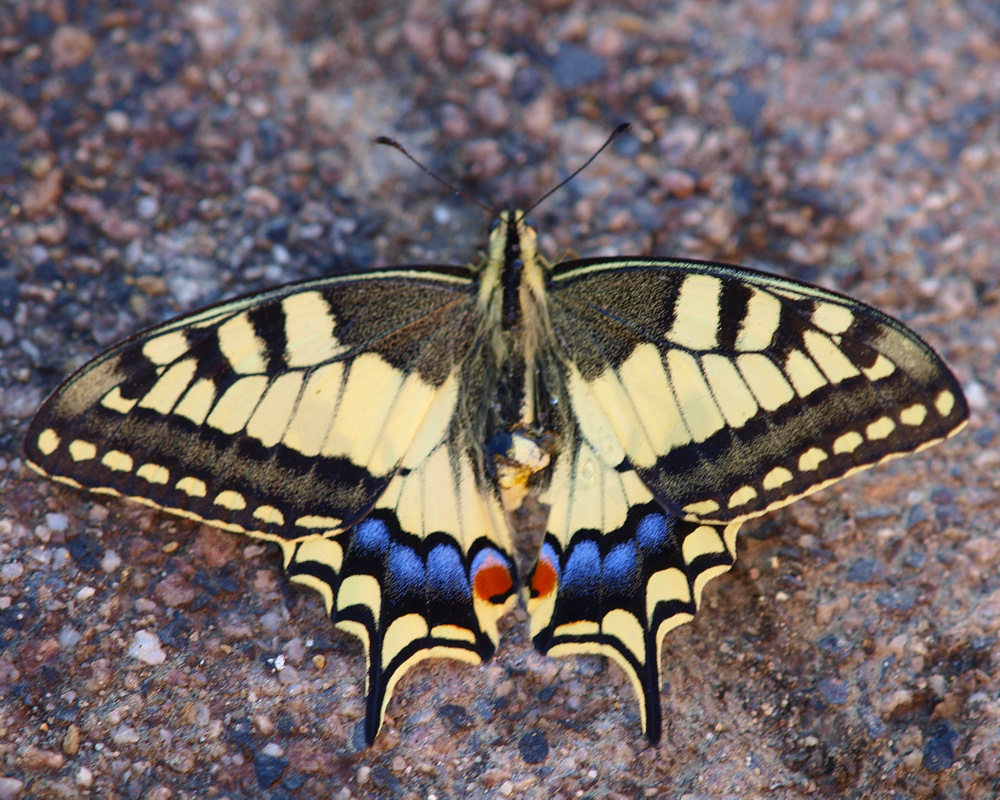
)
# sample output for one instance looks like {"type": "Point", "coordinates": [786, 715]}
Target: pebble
{"type": "Point", "coordinates": [71, 47]}
{"type": "Point", "coordinates": [533, 747]}
{"type": "Point", "coordinates": [11, 788]}
{"type": "Point", "coordinates": [111, 561]}
{"type": "Point", "coordinates": [146, 648]}
{"type": "Point", "coordinates": [574, 66]}
{"type": "Point", "coordinates": [939, 747]}
{"type": "Point", "coordinates": [124, 734]}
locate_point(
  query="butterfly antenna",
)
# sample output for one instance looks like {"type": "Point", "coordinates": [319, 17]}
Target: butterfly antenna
{"type": "Point", "coordinates": [428, 171]}
{"type": "Point", "coordinates": [614, 135]}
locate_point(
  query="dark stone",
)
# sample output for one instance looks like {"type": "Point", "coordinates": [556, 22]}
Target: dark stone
{"type": "Point", "coordinates": [10, 296]}
{"type": "Point", "coordinates": [865, 570]}
{"type": "Point", "coordinates": [240, 733]}
{"type": "Point", "coordinates": [746, 104]}
{"type": "Point", "coordinates": [176, 633]}
{"type": "Point", "coordinates": [939, 747]}
{"type": "Point", "coordinates": [983, 436]}
{"type": "Point", "coordinates": [183, 120]}
{"type": "Point", "coordinates": [526, 84]}
{"type": "Point", "coordinates": [895, 600]}
{"type": "Point", "coordinates": [834, 691]}
{"type": "Point", "coordinates": [534, 749]}
{"type": "Point", "coordinates": [831, 644]}
{"type": "Point", "coordinates": [86, 551]}
{"type": "Point", "coordinates": [269, 769]}
{"type": "Point", "coordinates": [455, 717]}
{"type": "Point", "coordinates": [741, 196]}
{"type": "Point", "coordinates": [574, 67]}
{"type": "Point", "coordinates": [276, 230]}
{"type": "Point", "coordinates": [10, 159]}
{"type": "Point", "coordinates": [38, 25]}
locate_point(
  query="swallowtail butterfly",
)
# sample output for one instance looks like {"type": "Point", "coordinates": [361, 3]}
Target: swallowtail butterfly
{"type": "Point", "coordinates": [380, 427]}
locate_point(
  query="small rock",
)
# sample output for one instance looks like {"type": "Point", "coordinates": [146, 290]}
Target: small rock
{"type": "Point", "coordinates": [574, 66]}
{"type": "Point", "coordinates": [37, 758]}
{"type": "Point", "coordinates": [269, 769]}
{"type": "Point", "coordinates": [939, 748]}
{"type": "Point", "coordinates": [146, 648]}
{"type": "Point", "coordinates": [124, 734]}
{"type": "Point", "coordinates": [42, 195]}
{"type": "Point", "coordinates": [71, 741]}
{"type": "Point", "coordinates": [834, 690]}
{"type": "Point", "coordinates": [533, 747]}
{"type": "Point", "coordinates": [865, 570]}
{"type": "Point", "coordinates": [71, 47]}
{"type": "Point", "coordinates": [10, 788]}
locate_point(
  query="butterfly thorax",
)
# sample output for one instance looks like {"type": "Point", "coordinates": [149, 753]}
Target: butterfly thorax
{"type": "Point", "coordinates": [512, 298]}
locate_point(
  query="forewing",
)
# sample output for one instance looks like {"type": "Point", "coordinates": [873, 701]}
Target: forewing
{"type": "Point", "coordinates": [732, 392]}
{"type": "Point", "coordinates": [274, 415]}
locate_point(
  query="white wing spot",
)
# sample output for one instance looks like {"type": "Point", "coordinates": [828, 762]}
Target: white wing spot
{"type": "Point", "coordinates": [234, 501]}
{"type": "Point", "coordinates": [811, 459]}
{"type": "Point", "coordinates": [696, 313]}
{"type": "Point", "coordinates": [169, 387]}
{"type": "Point", "coordinates": [847, 443]}
{"type": "Point", "coordinates": [742, 496]}
{"type": "Point", "coordinates": [913, 415]}
{"type": "Point", "coordinates": [803, 374]}
{"type": "Point", "coordinates": [153, 473]}
{"type": "Point", "coordinates": [269, 514]}
{"type": "Point", "coordinates": [192, 487]}
{"type": "Point", "coordinates": [832, 318]}
{"type": "Point", "coordinates": [944, 403]}
{"type": "Point", "coordinates": [117, 461]}
{"type": "Point", "coordinates": [312, 521]}
{"type": "Point", "coordinates": [880, 428]}
{"type": "Point", "coordinates": [765, 380]}
{"type": "Point", "coordinates": [776, 478]}
{"type": "Point", "coordinates": [48, 441]}
{"type": "Point", "coordinates": [835, 365]}
{"type": "Point", "coordinates": [166, 349]}
{"type": "Point", "coordinates": [882, 368]}
{"type": "Point", "coordinates": [701, 508]}
{"type": "Point", "coordinates": [309, 330]}
{"type": "Point", "coordinates": [114, 401]}
{"type": "Point", "coordinates": [79, 450]}
{"type": "Point", "coordinates": [242, 347]}
{"type": "Point", "coordinates": [759, 323]}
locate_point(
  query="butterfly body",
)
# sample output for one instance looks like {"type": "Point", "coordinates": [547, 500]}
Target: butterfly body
{"type": "Point", "coordinates": [380, 427]}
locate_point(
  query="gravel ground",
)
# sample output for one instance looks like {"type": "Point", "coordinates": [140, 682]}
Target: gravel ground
{"type": "Point", "coordinates": [156, 156]}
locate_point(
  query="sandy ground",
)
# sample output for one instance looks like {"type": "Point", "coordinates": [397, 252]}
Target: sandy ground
{"type": "Point", "coordinates": [157, 156]}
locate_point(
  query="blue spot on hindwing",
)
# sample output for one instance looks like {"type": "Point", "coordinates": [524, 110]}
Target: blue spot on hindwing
{"type": "Point", "coordinates": [621, 568]}
{"type": "Point", "coordinates": [653, 532]}
{"type": "Point", "coordinates": [446, 578]}
{"type": "Point", "coordinates": [405, 571]}
{"type": "Point", "coordinates": [371, 538]}
{"type": "Point", "coordinates": [582, 573]}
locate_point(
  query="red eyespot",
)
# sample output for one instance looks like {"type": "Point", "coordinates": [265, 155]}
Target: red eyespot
{"type": "Point", "coordinates": [492, 581]}
{"type": "Point", "coordinates": [544, 580]}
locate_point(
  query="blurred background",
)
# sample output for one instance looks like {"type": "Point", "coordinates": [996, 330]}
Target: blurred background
{"type": "Point", "coordinates": [157, 156]}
